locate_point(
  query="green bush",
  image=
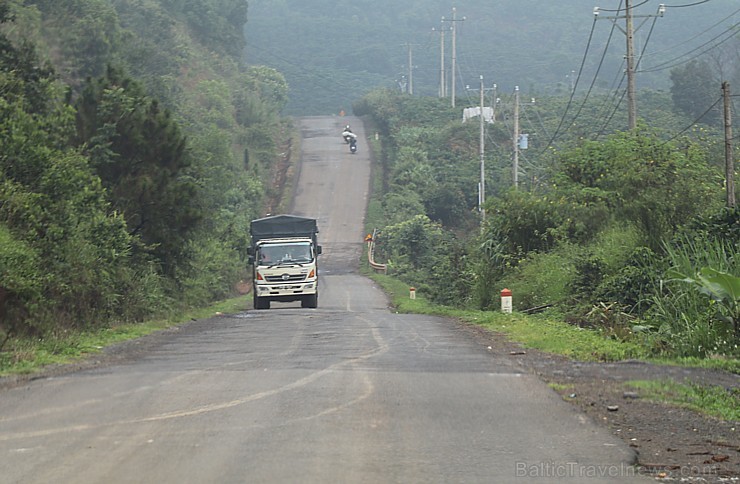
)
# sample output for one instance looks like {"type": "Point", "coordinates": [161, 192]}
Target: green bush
{"type": "Point", "coordinates": [20, 281]}
{"type": "Point", "coordinates": [542, 278]}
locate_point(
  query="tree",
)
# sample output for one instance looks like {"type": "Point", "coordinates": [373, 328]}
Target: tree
{"type": "Point", "coordinates": [694, 90]}
{"type": "Point", "coordinates": [64, 254]}
{"type": "Point", "coordinates": [141, 156]}
{"type": "Point", "coordinates": [218, 23]}
{"type": "Point", "coordinates": [269, 85]}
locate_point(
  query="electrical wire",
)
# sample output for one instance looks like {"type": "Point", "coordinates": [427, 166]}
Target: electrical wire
{"type": "Point", "coordinates": [644, 46]}
{"type": "Point", "coordinates": [611, 116]}
{"type": "Point", "coordinates": [675, 61]}
{"type": "Point", "coordinates": [620, 9]}
{"type": "Point", "coordinates": [612, 102]}
{"type": "Point", "coordinates": [572, 94]}
{"type": "Point", "coordinates": [621, 99]}
{"type": "Point", "coordinates": [686, 41]}
{"type": "Point", "coordinates": [526, 116]}
{"type": "Point", "coordinates": [301, 68]}
{"type": "Point", "coordinates": [709, 109]}
{"type": "Point", "coordinates": [687, 5]}
{"type": "Point", "coordinates": [596, 74]}
{"type": "Point", "coordinates": [642, 53]}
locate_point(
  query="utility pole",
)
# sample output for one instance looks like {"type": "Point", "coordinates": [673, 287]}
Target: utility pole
{"type": "Point", "coordinates": [442, 82]}
{"type": "Point", "coordinates": [482, 150]}
{"type": "Point", "coordinates": [454, 56]}
{"type": "Point", "coordinates": [454, 51]}
{"type": "Point", "coordinates": [629, 32]}
{"type": "Point", "coordinates": [631, 91]}
{"type": "Point", "coordinates": [572, 77]}
{"type": "Point", "coordinates": [518, 137]}
{"type": "Point", "coordinates": [515, 167]}
{"type": "Point", "coordinates": [410, 76]}
{"type": "Point", "coordinates": [729, 160]}
{"type": "Point", "coordinates": [402, 84]}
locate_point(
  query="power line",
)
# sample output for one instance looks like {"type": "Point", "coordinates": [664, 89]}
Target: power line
{"type": "Point", "coordinates": [570, 100]}
{"type": "Point", "coordinates": [670, 63]}
{"type": "Point", "coordinates": [687, 5]}
{"type": "Point", "coordinates": [620, 9]}
{"type": "Point", "coordinates": [542, 125]}
{"type": "Point", "coordinates": [596, 74]}
{"type": "Point", "coordinates": [624, 93]}
{"type": "Point", "coordinates": [614, 111]}
{"type": "Point", "coordinates": [709, 109]}
{"type": "Point", "coordinates": [660, 52]}
{"type": "Point", "coordinates": [644, 56]}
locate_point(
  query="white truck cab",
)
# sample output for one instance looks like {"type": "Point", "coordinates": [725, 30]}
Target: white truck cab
{"type": "Point", "coordinates": [284, 258]}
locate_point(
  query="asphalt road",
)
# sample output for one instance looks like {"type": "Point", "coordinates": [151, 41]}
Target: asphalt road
{"type": "Point", "coordinates": [349, 392]}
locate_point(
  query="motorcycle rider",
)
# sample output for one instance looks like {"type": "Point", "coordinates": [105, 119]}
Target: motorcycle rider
{"type": "Point", "coordinates": [348, 135]}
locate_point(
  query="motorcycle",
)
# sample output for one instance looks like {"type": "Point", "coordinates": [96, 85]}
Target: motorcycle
{"type": "Point", "coordinates": [348, 136]}
{"type": "Point", "coordinates": [353, 145]}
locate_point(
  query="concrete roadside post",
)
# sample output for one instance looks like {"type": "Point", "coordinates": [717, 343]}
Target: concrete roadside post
{"type": "Point", "coordinates": [506, 301]}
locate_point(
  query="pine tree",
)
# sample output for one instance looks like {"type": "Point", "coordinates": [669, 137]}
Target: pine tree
{"type": "Point", "coordinates": [141, 156]}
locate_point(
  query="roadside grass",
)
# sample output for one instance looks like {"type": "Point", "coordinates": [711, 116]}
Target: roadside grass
{"type": "Point", "coordinates": [714, 401]}
{"type": "Point", "coordinates": [537, 332]}
{"type": "Point", "coordinates": [560, 387]}
{"type": "Point", "coordinates": [544, 333]}
{"type": "Point", "coordinates": [27, 356]}
{"type": "Point", "coordinates": [719, 363]}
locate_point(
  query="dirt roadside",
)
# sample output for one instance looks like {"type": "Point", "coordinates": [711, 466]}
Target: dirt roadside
{"type": "Point", "coordinates": [672, 444]}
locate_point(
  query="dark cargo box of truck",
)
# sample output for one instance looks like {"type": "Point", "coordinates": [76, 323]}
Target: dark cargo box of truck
{"type": "Point", "coordinates": [283, 226]}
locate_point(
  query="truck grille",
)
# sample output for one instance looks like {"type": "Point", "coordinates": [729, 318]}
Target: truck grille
{"type": "Point", "coordinates": [286, 278]}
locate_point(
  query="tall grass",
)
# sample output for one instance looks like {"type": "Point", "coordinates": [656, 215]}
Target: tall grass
{"type": "Point", "coordinates": [687, 321]}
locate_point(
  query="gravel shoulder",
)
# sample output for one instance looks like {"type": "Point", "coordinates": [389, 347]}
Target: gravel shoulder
{"type": "Point", "coordinates": [671, 443]}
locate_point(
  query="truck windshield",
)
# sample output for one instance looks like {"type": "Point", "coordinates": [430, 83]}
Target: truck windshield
{"type": "Point", "coordinates": [288, 253]}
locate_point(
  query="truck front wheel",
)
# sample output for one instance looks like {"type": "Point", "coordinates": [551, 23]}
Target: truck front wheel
{"type": "Point", "coordinates": [261, 302]}
{"type": "Point", "coordinates": [310, 301]}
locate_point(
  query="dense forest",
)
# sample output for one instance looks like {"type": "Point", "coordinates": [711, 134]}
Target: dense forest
{"type": "Point", "coordinates": [136, 147]}
{"type": "Point", "coordinates": [332, 52]}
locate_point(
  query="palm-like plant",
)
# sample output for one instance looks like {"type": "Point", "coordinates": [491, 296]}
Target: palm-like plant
{"type": "Point", "coordinates": [722, 288]}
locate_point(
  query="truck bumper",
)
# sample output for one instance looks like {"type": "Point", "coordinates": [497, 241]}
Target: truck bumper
{"type": "Point", "coordinates": [286, 292]}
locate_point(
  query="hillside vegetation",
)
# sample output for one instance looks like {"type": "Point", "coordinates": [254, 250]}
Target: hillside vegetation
{"type": "Point", "coordinates": [627, 235]}
{"type": "Point", "coordinates": [136, 147]}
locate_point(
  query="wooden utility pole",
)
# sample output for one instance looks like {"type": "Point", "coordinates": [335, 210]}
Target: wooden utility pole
{"type": "Point", "coordinates": [729, 158]}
